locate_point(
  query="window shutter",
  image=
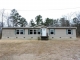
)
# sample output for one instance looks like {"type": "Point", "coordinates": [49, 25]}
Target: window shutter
{"type": "Point", "coordinates": [72, 31]}
{"type": "Point", "coordinates": [23, 31]}
{"type": "Point", "coordinates": [54, 31]}
{"type": "Point", "coordinates": [67, 31]}
{"type": "Point", "coordinates": [41, 31]}
{"type": "Point", "coordinates": [49, 31]}
{"type": "Point", "coordinates": [28, 31]}
{"type": "Point", "coordinates": [15, 31]}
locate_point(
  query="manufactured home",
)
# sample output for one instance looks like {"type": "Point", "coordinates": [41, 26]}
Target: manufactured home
{"type": "Point", "coordinates": [39, 33]}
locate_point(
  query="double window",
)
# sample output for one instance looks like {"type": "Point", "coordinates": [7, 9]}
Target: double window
{"type": "Point", "coordinates": [69, 31]}
{"type": "Point", "coordinates": [34, 31]}
{"type": "Point", "coordinates": [19, 31]}
{"type": "Point", "coordinates": [52, 31]}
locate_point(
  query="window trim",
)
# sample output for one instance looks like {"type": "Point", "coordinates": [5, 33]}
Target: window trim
{"type": "Point", "coordinates": [35, 31]}
{"type": "Point", "coordinates": [23, 30]}
{"type": "Point", "coordinates": [39, 31]}
{"type": "Point", "coordinates": [17, 31]}
{"type": "Point", "coordinates": [51, 30]}
{"type": "Point", "coordinates": [69, 31]}
{"type": "Point", "coordinates": [30, 31]}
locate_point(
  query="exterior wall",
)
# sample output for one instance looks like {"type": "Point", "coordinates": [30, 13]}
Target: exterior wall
{"type": "Point", "coordinates": [10, 34]}
{"type": "Point", "coordinates": [62, 34]}
{"type": "Point", "coordinates": [59, 34]}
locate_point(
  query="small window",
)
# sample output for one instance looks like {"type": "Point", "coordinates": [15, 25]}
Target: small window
{"type": "Point", "coordinates": [31, 31]}
{"type": "Point", "coordinates": [39, 31]}
{"type": "Point", "coordinates": [69, 31]}
{"type": "Point", "coordinates": [51, 31]}
{"type": "Point", "coordinates": [21, 31]}
{"type": "Point", "coordinates": [35, 31]}
{"type": "Point", "coordinates": [17, 31]}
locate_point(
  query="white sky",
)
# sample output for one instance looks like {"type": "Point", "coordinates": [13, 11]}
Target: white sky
{"type": "Point", "coordinates": [29, 9]}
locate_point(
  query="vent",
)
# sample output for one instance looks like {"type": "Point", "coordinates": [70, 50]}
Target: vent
{"type": "Point", "coordinates": [31, 37]}
{"type": "Point", "coordinates": [16, 37]}
{"type": "Point", "coordinates": [70, 37]}
{"type": "Point", "coordinates": [60, 37]}
{"type": "Point", "coordinates": [7, 37]}
{"type": "Point", "coordinates": [52, 37]}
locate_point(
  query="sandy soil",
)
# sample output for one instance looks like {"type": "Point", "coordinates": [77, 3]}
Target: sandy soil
{"type": "Point", "coordinates": [40, 50]}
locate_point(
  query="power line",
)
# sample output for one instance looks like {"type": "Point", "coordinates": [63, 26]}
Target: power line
{"type": "Point", "coordinates": [46, 9]}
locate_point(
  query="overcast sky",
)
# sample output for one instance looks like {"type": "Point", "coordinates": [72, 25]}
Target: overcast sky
{"type": "Point", "coordinates": [29, 9]}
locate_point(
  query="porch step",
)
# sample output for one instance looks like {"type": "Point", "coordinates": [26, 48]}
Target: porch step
{"type": "Point", "coordinates": [44, 37]}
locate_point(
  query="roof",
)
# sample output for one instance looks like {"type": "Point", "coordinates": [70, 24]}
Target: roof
{"type": "Point", "coordinates": [38, 27]}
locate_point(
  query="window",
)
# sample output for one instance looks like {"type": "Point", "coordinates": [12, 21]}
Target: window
{"type": "Point", "coordinates": [17, 31]}
{"type": "Point", "coordinates": [31, 31]}
{"type": "Point", "coordinates": [51, 31]}
{"type": "Point", "coordinates": [35, 31]}
{"type": "Point", "coordinates": [69, 31]}
{"type": "Point", "coordinates": [20, 31]}
{"type": "Point", "coordinates": [39, 31]}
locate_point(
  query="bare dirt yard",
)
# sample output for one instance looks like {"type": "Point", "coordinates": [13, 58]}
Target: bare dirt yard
{"type": "Point", "coordinates": [40, 50]}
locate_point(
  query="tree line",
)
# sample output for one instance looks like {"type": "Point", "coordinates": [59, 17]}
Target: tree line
{"type": "Point", "coordinates": [16, 20]}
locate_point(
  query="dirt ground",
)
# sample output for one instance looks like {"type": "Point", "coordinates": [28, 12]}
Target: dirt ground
{"type": "Point", "coordinates": [40, 50]}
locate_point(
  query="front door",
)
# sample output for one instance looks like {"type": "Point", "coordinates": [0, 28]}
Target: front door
{"type": "Point", "coordinates": [44, 32]}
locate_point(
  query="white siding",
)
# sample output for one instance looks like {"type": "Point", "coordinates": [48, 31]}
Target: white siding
{"type": "Point", "coordinates": [59, 34]}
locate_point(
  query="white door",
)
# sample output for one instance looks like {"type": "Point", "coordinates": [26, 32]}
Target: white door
{"type": "Point", "coordinates": [43, 31]}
